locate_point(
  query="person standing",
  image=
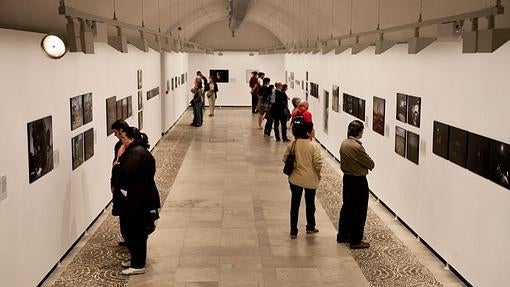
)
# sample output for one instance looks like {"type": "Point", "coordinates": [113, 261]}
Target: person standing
{"type": "Point", "coordinates": [254, 87]}
{"type": "Point", "coordinates": [306, 175]}
{"type": "Point", "coordinates": [262, 105]}
{"type": "Point", "coordinates": [212, 94]}
{"type": "Point", "coordinates": [119, 128]}
{"type": "Point", "coordinates": [355, 164]}
{"type": "Point", "coordinates": [277, 112]}
{"type": "Point", "coordinates": [203, 83]}
{"type": "Point", "coordinates": [270, 94]}
{"type": "Point", "coordinates": [196, 103]}
{"type": "Point", "coordinates": [135, 181]}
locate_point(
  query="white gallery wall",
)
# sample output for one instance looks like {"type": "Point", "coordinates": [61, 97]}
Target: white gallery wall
{"type": "Point", "coordinates": [40, 221]}
{"type": "Point", "coordinates": [176, 100]}
{"type": "Point", "coordinates": [236, 92]}
{"type": "Point", "coordinates": [461, 215]}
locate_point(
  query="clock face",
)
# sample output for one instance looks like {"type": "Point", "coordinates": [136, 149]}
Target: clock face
{"type": "Point", "coordinates": [53, 46]}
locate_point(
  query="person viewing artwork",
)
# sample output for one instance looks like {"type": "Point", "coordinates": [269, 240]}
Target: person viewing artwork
{"type": "Point", "coordinates": [306, 175]}
{"type": "Point", "coordinates": [197, 102]}
{"type": "Point", "coordinates": [355, 164]}
{"type": "Point", "coordinates": [212, 94]}
{"type": "Point", "coordinates": [254, 91]}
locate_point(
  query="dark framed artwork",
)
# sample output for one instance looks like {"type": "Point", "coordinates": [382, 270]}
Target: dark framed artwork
{"type": "Point", "coordinates": [152, 93]}
{"type": "Point", "coordinates": [88, 137]}
{"type": "Point", "coordinates": [326, 111]}
{"type": "Point", "coordinates": [124, 108]}
{"type": "Point", "coordinates": [186, 77]}
{"type": "Point", "coordinates": [414, 111]}
{"type": "Point", "coordinates": [129, 106]}
{"type": "Point", "coordinates": [118, 105]}
{"type": "Point", "coordinates": [499, 163]}
{"type": "Point", "coordinates": [457, 146]}
{"type": "Point", "coordinates": [182, 78]}
{"type": "Point", "coordinates": [139, 78]}
{"type": "Point", "coordinates": [221, 76]}
{"type": "Point", "coordinates": [378, 115]}
{"type": "Point", "coordinates": [140, 120]}
{"type": "Point", "coordinates": [172, 84]}
{"type": "Point", "coordinates": [355, 106]}
{"type": "Point", "coordinates": [167, 86]}
{"type": "Point", "coordinates": [87, 108]}
{"type": "Point", "coordinates": [314, 90]}
{"type": "Point", "coordinates": [478, 154]}
{"type": "Point", "coordinates": [336, 98]}
{"type": "Point", "coordinates": [348, 104]}
{"type": "Point", "coordinates": [76, 106]}
{"type": "Point", "coordinates": [413, 146]}
{"type": "Point", "coordinates": [40, 148]}
{"type": "Point", "coordinates": [291, 84]}
{"type": "Point", "coordinates": [361, 109]}
{"type": "Point", "coordinates": [400, 141]}
{"type": "Point", "coordinates": [286, 77]}
{"type": "Point", "coordinates": [176, 84]}
{"type": "Point", "coordinates": [111, 114]}
{"type": "Point", "coordinates": [306, 87]}
{"type": "Point", "coordinates": [441, 139]}
{"type": "Point", "coordinates": [140, 100]}
{"type": "Point", "coordinates": [302, 85]}
{"type": "Point", "coordinates": [402, 107]}
{"type": "Point", "coordinates": [77, 150]}
{"type": "Point", "coordinates": [306, 75]}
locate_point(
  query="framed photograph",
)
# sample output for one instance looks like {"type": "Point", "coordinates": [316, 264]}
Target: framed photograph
{"type": "Point", "coordinates": [306, 75]}
{"type": "Point", "coordinates": [221, 76]}
{"type": "Point", "coordinates": [378, 120]}
{"type": "Point", "coordinates": [140, 120]}
{"type": "Point", "coordinates": [413, 146]}
{"type": "Point", "coordinates": [361, 109]}
{"type": "Point", "coordinates": [457, 146]}
{"type": "Point", "coordinates": [88, 137]}
{"type": "Point", "coordinates": [286, 77]}
{"type": "Point", "coordinates": [348, 104]}
{"type": "Point", "coordinates": [355, 106]}
{"type": "Point", "coordinates": [291, 84]}
{"type": "Point", "coordinates": [172, 84]}
{"type": "Point", "coordinates": [129, 106]}
{"type": "Point", "coordinates": [326, 111]}
{"type": "Point", "coordinates": [400, 141]}
{"type": "Point", "coordinates": [118, 105]}
{"type": "Point", "coordinates": [336, 98]}
{"type": "Point", "coordinates": [40, 148]}
{"type": "Point", "coordinates": [478, 154]}
{"type": "Point", "coordinates": [140, 100]}
{"type": "Point", "coordinates": [499, 163]}
{"type": "Point", "coordinates": [186, 77]}
{"type": "Point", "coordinates": [111, 114]}
{"type": "Point", "coordinates": [124, 108]}
{"type": "Point", "coordinates": [414, 111]}
{"type": "Point", "coordinates": [76, 112]}
{"type": "Point", "coordinates": [182, 78]}
{"type": "Point", "coordinates": [302, 85]}
{"type": "Point", "coordinates": [139, 78]}
{"type": "Point", "coordinates": [176, 84]}
{"type": "Point", "coordinates": [167, 86]}
{"type": "Point", "coordinates": [77, 150]}
{"type": "Point", "coordinates": [87, 108]}
{"type": "Point", "coordinates": [441, 139]}
{"type": "Point", "coordinates": [291, 76]}
{"type": "Point", "coordinates": [306, 87]}
{"type": "Point", "coordinates": [402, 108]}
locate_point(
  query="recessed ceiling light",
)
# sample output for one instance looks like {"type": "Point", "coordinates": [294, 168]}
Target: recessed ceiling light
{"type": "Point", "coordinates": [53, 46]}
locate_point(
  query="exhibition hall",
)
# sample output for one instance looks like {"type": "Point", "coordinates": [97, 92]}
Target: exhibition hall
{"type": "Point", "coordinates": [142, 143]}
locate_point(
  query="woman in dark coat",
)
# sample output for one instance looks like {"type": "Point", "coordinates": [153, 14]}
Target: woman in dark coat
{"type": "Point", "coordinates": [139, 209]}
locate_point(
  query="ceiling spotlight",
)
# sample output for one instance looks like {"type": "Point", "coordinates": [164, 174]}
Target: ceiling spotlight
{"type": "Point", "coordinates": [53, 46]}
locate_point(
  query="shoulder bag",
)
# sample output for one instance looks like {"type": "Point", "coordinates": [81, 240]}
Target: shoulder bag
{"type": "Point", "coordinates": [289, 162]}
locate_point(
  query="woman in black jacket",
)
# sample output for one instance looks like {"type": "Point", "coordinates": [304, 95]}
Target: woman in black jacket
{"type": "Point", "coordinates": [139, 209]}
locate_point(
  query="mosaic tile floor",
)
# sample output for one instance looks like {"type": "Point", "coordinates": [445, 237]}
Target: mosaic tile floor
{"type": "Point", "coordinates": [387, 263]}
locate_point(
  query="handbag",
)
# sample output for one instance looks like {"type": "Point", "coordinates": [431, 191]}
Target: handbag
{"type": "Point", "coordinates": [289, 161]}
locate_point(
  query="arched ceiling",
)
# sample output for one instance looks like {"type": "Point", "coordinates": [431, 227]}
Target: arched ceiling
{"type": "Point", "coordinates": [291, 21]}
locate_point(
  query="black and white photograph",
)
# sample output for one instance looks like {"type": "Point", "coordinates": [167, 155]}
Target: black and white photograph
{"type": "Point", "coordinates": [176, 84]}
{"type": "Point", "coordinates": [140, 100]}
{"type": "Point", "coordinates": [314, 90]}
{"type": "Point", "coordinates": [291, 77]}
{"type": "Point", "coordinates": [478, 154]}
{"type": "Point", "coordinates": [400, 141]}
{"type": "Point", "coordinates": [152, 93]}
{"type": "Point", "coordinates": [182, 78]}
{"type": "Point", "coordinates": [167, 86]}
{"type": "Point", "coordinates": [88, 137]}
{"type": "Point", "coordinates": [286, 77]}
{"type": "Point", "coordinates": [306, 75]}
{"type": "Point", "coordinates": [139, 78]}
{"type": "Point", "coordinates": [335, 104]}
{"type": "Point", "coordinates": [77, 150]}
{"type": "Point", "coordinates": [355, 106]}
{"type": "Point", "coordinates": [118, 105]}
{"type": "Point", "coordinates": [457, 146]}
{"type": "Point", "coordinates": [441, 139]}
{"type": "Point", "coordinates": [326, 111]}
{"type": "Point", "coordinates": [130, 106]}
{"type": "Point", "coordinates": [291, 84]}
{"type": "Point", "coordinates": [40, 148]}
{"type": "Point", "coordinates": [221, 76]}
{"type": "Point", "coordinates": [402, 108]}
{"type": "Point", "coordinates": [173, 86]}
{"type": "Point", "coordinates": [361, 109]}
{"type": "Point", "coordinates": [348, 104]}
{"type": "Point", "coordinates": [87, 108]}
{"type": "Point", "coordinates": [124, 108]}
{"type": "Point", "coordinates": [378, 120]}
{"type": "Point", "coordinates": [500, 163]}
{"type": "Point", "coordinates": [302, 85]}
{"type": "Point", "coordinates": [414, 110]}
{"type": "Point", "coordinates": [111, 114]}
{"type": "Point", "coordinates": [413, 147]}
{"type": "Point", "coordinates": [140, 120]}
{"type": "Point", "coordinates": [76, 106]}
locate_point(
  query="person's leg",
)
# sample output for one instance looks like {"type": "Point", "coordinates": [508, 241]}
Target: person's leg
{"type": "Point", "coordinates": [276, 121]}
{"type": "Point", "coordinates": [344, 221]}
{"type": "Point", "coordinates": [137, 243]}
{"type": "Point", "coordinates": [359, 210]}
{"type": "Point", "coordinates": [295, 201]}
{"type": "Point", "coordinates": [310, 209]}
{"type": "Point", "coordinates": [213, 105]}
{"type": "Point", "coordinates": [269, 124]}
{"type": "Point", "coordinates": [211, 108]}
{"type": "Point", "coordinates": [195, 113]}
{"type": "Point", "coordinates": [200, 114]}
{"type": "Point", "coordinates": [254, 101]}
{"type": "Point", "coordinates": [283, 122]}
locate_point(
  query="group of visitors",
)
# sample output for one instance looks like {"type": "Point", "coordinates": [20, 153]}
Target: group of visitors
{"type": "Point", "coordinates": [203, 88]}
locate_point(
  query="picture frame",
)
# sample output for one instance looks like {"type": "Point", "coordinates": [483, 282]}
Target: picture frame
{"type": "Point", "coordinates": [139, 78]}
{"type": "Point", "coordinates": [76, 108]}
{"type": "Point", "coordinates": [413, 147]}
{"type": "Point", "coordinates": [478, 154]}
{"type": "Point", "coordinates": [335, 104]}
{"type": "Point", "coordinates": [378, 115]}
{"type": "Point", "coordinates": [77, 151]}
{"type": "Point", "coordinates": [457, 147]}
{"type": "Point", "coordinates": [87, 108]}
{"type": "Point", "coordinates": [499, 163]}
{"type": "Point", "coordinates": [221, 76]}
{"type": "Point", "coordinates": [40, 148]}
{"type": "Point", "coordinates": [111, 114]}
{"type": "Point", "coordinates": [129, 106]}
{"type": "Point", "coordinates": [441, 139]}
{"type": "Point", "coordinates": [140, 100]}
{"type": "Point", "coordinates": [413, 111]}
{"type": "Point", "coordinates": [400, 141]}
{"type": "Point", "coordinates": [326, 111]}
{"type": "Point", "coordinates": [88, 139]}
{"type": "Point", "coordinates": [401, 107]}
{"type": "Point", "coordinates": [140, 120]}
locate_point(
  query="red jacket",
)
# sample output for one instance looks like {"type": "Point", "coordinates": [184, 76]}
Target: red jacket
{"type": "Point", "coordinates": [307, 116]}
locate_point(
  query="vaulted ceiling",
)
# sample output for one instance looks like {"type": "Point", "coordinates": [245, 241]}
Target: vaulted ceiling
{"type": "Point", "coordinates": [290, 21]}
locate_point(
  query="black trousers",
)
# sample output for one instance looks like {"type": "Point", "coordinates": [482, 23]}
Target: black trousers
{"type": "Point", "coordinates": [269, 125]}
{"type": "Point", "coordinates": [354, 209]}
{"type": "Point", "coordinates": [254, 102]}
{"type": "Point", "coordinates": [280, 120]}
{"type": "Point", "coordinates": [295, 201]}
{"type": "Point", "coordinates": [136, 238]}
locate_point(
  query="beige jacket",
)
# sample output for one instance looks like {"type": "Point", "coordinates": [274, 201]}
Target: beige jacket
{"type": "Point", "coordinates": [308, 164]}
{"type": "Point", "coordinates": [354, 160]}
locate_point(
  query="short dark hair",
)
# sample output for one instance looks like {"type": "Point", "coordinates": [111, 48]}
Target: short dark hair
{"type": "Point", "coordinates": [254, 73]}
{"type": "Point", "coordinates": [120, 125]}
{"type": "Point", "coordinates": [355, 128]}
{"type": "Point", "coordinates": [301, 129]}
{"type": "Point", "coordinates": [198, 72]}
{"type": "Point", "coordinates": [266, 81]}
